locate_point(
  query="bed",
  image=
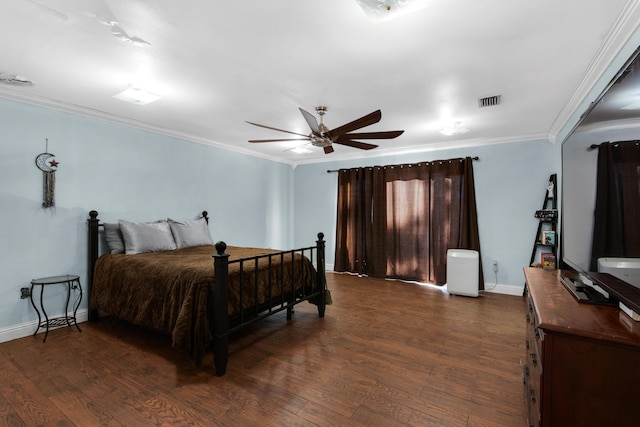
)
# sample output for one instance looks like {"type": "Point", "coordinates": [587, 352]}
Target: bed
{"type": "Point", "coordinates": [199, 294]}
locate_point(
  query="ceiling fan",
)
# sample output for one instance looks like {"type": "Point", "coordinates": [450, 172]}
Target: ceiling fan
{"type": "Point", "coordinates": [322, 136]}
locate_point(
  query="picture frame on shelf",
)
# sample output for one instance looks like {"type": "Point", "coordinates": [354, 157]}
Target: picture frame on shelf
{"type": "Point", "coordinates": [548, 260]}
{"type": "Point", "coordinates": [549, 237]}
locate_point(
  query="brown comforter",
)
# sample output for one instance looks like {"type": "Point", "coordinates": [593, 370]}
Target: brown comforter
{"type": "Point", "coordinates": [172, 291]}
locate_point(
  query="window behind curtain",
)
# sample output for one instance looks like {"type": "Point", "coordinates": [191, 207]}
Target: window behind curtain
{"type": "Point", "coordinates": [398, 221]}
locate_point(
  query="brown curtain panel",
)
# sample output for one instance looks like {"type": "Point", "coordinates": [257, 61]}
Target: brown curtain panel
{"type": "Point", "coordinates": [401, 222]}
{"type": "Point", "coordinates": [353, 230]}
{"type": "Point", "coordinates": [616, 227]}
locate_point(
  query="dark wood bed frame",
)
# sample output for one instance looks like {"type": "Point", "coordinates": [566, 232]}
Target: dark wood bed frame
{"type": "Point", "coordinates": [222, 328]}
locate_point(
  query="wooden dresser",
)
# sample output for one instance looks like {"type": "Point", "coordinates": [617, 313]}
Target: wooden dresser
{"type": "Point", "coordinates": [582, 365]}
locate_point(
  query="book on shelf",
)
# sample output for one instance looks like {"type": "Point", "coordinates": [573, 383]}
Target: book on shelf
{"type": "Point", "coordinates": [548, 237]}
{"type": "Point", "coordinates": [548, 260]}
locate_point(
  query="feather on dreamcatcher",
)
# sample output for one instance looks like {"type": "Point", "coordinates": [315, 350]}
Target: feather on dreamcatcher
{"type": "Point", "coordinates": [48, 165]}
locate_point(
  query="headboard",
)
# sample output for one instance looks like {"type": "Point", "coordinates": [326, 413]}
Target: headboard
{"type": "Point", "coordinates": [93, 252]}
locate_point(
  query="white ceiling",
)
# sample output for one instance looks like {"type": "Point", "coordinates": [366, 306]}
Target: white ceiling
{"type": "Point", "coordinates": [217, 64]}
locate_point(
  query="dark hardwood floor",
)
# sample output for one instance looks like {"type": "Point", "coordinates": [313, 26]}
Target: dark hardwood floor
{"type": "Point", "coordinates": [387, 353]}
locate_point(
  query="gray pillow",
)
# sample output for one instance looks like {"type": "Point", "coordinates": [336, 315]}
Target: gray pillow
{"type": "Point", "coordinates": [190, 233]}
{"type": "Point", "coordinates": [114, 238]}
{"type": "Point", "coordinates": [140, 237]}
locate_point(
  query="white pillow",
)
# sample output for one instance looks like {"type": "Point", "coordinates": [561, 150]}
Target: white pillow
{"type": "Point", "coordinates": [114, 238]}
{"type": "Point", "coordinates": [140, 237]}
{"type": "Point", "coordinates": [190, 233]}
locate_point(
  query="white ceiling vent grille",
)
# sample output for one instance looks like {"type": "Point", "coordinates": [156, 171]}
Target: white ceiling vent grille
{"type": "Point", "coordinates": [489, 101]}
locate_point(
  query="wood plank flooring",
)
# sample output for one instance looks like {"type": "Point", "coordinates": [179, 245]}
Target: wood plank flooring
{"type": "Point", "coordinates": [386, 354]}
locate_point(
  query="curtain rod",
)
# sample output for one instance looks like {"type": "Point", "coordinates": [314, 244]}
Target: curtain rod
{"type": "Point", "coordinates": [594, 146]}
{"type": "Point", "coordinates": [338, 170]}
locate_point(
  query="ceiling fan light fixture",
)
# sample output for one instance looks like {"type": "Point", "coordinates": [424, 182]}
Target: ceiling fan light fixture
{"type": "Point", "coordinates": [454, 129]}
{"type": "Point", "coordinates": [385, 10]}
{"type": "Point", "coordinates": [319, 141]}
{"type": "Point", "coordinates": [136, 96]}
{"type": "Point", "coordinates": [321, 136]}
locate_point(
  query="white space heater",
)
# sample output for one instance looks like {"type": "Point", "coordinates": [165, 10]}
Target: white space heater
{"type": "Point", "coordinates": [462, 272]}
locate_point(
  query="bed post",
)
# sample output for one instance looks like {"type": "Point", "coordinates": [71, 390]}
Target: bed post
{"type": "Point", "coordinates": [320, 277]}
{"type": "Point", "coordinates": [94, 223]}
{"type": "Point", "coordinates": [220, 309]}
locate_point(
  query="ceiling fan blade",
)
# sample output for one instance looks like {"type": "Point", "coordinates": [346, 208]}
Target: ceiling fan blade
{"type": "Point", "coordinates": [363, 121]}
{"type": "Point", "coordinates": [279, 130]}
{"type": "Point", "coordinates": [311, 121]}
{"type": "Point", "coordinates": [372, 135]}
{"type": "Point", "coordinates": [277, 140]}
{"type": "Point", "coordinates": [356, 144]}
{"type": "Point", "coordinates": [328, 149]}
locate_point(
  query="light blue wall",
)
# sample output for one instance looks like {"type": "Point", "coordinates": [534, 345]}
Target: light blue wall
{"type": "Point", "coordinates": [511, 180]}
{"type": "Point", "coordinates": [121, 172]}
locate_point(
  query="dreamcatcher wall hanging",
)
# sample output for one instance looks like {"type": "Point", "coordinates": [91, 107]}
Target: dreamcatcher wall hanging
{"type": "Point", "coordinates": [48, 165]}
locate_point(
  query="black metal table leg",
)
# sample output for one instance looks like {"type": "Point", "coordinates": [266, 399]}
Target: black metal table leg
{"type": "Point", "coordinates": [36, 309]}
{"type": "Point", "coordinates": [77, 304]}
{"type": "Point", "coordinates": [72, 282]}
{"type": "Point", "coordinates": [46, 317]}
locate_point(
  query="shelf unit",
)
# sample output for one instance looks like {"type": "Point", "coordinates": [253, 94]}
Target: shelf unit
{"type": "Point", "coordinates": [546, 239]}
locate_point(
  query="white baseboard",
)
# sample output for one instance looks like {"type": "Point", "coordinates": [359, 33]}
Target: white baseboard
{"type": "Point", "coordinates": [488, 287]}
{"type": "Point", "coordinates": [27, 329]}
{"type": "Point", "coordinates": [504, 289]}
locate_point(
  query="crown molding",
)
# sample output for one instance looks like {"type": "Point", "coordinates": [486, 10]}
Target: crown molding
{"type": "Point", "coordinates": [617, 39]}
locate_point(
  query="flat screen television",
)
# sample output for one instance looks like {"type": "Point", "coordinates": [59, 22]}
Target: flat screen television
{"type": "Point", "coordinates": [579, 166]}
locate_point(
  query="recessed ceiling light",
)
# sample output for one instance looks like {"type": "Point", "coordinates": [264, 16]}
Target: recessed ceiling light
{"type": "Point", "coordinates": [454, 129]}
{"type": "Point", "coordinates": [385, 10]}
{"type": "Point", "coordinates": [136, 96]}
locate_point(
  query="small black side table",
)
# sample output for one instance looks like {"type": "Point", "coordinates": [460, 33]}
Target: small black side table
{"type": "Point", "coordinates": [72, 282]}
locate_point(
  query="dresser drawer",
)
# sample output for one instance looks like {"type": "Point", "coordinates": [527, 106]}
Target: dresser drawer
{"type": "Point", "coordinates": [532, 370]}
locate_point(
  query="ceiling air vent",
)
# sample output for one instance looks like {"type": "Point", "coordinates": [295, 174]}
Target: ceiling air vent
{"type": "Point", "coordinates": [489, 101]}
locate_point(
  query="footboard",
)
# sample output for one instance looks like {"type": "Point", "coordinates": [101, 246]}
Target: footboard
{"type": "Point", "coordinates": [222, 328]}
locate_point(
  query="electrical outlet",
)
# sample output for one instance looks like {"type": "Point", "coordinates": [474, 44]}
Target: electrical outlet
{"type": "Point", "coordinates": [25, 293]}
{"type": "Point", "coordinates": [495, 266]}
